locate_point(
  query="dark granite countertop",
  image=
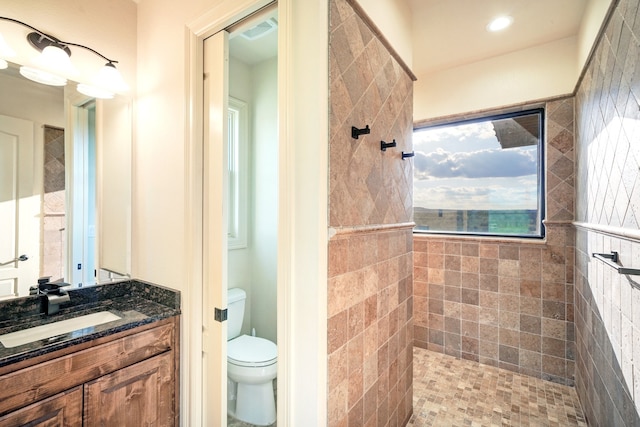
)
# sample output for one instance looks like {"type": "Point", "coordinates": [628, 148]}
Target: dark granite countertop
{"type": "Point", "coordinates": [136, 303]}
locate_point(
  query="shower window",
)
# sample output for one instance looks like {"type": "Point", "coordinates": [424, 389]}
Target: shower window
{"type": "Point", "coordinates": [481, 177]}
{"type": "Point", "coordinates": [237, 150]}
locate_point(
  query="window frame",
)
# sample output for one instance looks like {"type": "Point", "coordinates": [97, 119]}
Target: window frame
{"type": "Point", "coordinates": [541, 173]}
{"type": "Point", "coordinates": [238, 170]}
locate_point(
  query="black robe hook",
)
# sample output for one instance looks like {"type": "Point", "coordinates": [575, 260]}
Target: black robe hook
{"type": "Point", "coordinates": [385, 145]}
{"type": "Point", "coordinates": [355, 132]}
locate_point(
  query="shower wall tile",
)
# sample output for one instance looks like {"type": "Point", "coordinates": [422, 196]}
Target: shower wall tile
{"type": "Point", "coordinates": [507, 303]}
{"type": "Point", "coordinates": [607, 304]}
{"type": "Point", "coordinates": [368, 87]}
{"type": "Point", "coordinates": [370, 289]}
{"type": "Point", "coordinates": [370, 329]}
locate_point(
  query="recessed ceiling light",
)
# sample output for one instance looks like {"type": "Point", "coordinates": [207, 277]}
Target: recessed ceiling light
{"type": "Point", "coordinates": [499, 23]}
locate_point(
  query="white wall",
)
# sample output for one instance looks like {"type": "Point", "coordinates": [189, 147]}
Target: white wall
{"type": "Point", "coordinates": [159, 222]}
{"type": "Point", "coordinates": [254, 268]}
{"type": "Point", "coordinates": [264, 239]}
{"type": "Point", "coordinates": [594, 15]}
{"type": "Point", "coordinates": [539, 72]}
{"type": "Point", "coordinates": [240, 273]}
{"type": "Point", "coordinates": [24, 99]}
{"type": "Point", "coordinates": [393, 18]}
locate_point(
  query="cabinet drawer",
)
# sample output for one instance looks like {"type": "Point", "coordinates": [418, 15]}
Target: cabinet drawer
{"type": "Point", "coordinates": [64, 409]}
{"type": "Point", "coordinates": [34, 383]}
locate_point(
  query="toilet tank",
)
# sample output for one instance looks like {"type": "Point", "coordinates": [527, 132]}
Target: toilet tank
{"type": "Point", "coordinates": [235, 311]}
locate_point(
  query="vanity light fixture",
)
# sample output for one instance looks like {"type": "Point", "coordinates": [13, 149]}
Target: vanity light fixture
{"type": "Point", "coordinates": [54, 65]}
{"type": "Point", "coordinates": [499, 23]}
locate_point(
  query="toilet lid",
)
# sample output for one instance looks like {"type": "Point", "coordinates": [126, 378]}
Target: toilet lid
{"type": "Point", "coordinates": [248, 350]}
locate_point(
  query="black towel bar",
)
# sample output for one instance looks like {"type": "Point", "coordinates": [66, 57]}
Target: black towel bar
{"type": "Point", "coordinates": [612, 261]}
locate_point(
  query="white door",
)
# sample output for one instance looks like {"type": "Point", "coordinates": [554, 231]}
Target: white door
{"type": "Point", "coordinates": [20, 197]}
{"type": "Point", "coordinates": [216, 100]}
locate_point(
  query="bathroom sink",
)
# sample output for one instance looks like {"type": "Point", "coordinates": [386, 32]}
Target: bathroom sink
{"type": "Point", "coordinates": [26, 336]}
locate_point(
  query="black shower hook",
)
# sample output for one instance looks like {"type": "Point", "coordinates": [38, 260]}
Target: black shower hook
{"type": "Point", "coordinates": [406, 155]}
{"type": "Point", "coordinates": [355, 132]}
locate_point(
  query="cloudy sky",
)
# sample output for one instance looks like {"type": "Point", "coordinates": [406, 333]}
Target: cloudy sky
{"type": "Point", "coordinates": [464, 167]}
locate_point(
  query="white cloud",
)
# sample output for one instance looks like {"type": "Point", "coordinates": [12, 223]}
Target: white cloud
{"type": "Point", "coordinates": [480, 130]}
{"type": "Point", "coordinates": [478, 193]}
{"type": "Point", "coordinates": [476, 164]}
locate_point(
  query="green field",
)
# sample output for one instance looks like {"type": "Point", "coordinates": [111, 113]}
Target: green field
{"type": "Point", "coordinates": [500, 222]}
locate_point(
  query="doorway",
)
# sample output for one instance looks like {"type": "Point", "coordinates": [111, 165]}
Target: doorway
{"type": "Point", "coordinates": [241, 174]}
{"type": "Point", "coordinates": [302, 223]}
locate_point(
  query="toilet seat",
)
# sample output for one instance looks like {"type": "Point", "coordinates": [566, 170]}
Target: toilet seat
{"type": "Point", "coordinates": [251, 351]}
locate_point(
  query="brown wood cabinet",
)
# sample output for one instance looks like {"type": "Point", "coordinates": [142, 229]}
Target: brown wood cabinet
{"type": "Point", "coordinates": [63, 409]}
{"type": "Point", "coordinates": [139, 395]}
{"type": "Point", "coordinates": [127, 379]}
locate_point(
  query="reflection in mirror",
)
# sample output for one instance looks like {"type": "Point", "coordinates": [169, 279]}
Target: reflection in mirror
{"type": "Point", "coordinates": [48, 186]}
{"type": "Point", "coordinates": [25, 109]}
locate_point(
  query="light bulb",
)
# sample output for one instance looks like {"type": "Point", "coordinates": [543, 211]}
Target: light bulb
{"type": "Point", "coordinates": [56, 60]}
{"type": "Point", "coordinates": [499, 23]}
{"type": "Point", "coordinates": [109, 77]}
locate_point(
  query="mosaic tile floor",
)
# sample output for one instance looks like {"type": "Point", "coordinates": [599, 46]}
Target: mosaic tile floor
{"type": "Point", "coordinates": [452, 392]}
{"type": "Point", "coordinates": [449, 392]}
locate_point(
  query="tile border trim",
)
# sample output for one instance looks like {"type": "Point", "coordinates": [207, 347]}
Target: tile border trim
{"type": "Point", "coordinates": [340, 231]}
{"type": "Point", "coordinates": [624, 233]}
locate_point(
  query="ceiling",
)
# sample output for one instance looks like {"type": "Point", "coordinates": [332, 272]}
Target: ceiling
{"type": "Point", "coordinates": [265, 44]}
{"type": "Point", "coordinates": [449, 33]}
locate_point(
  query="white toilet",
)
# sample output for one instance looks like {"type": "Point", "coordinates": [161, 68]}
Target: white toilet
{"type": "Point", "coordinates": [251, 367]}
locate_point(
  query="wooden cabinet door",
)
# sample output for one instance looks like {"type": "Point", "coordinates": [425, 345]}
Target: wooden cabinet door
{"type": "Point", "coordinates": [61, 410]}
{"type": "Point", "coordinates": [138, 395]}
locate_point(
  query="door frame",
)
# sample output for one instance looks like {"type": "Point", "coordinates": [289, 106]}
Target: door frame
{"type": "Point", "coordinates": [208, 24]}
{"type": "Point", "coordinates": [303, 233]}
{"type": "Point", "coordinates": [75, 141]}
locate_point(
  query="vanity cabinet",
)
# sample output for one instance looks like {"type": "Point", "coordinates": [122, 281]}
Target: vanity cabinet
{"type": "Point", "coordinates": [126, 379]}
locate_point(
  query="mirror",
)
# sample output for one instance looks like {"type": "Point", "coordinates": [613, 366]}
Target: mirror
{"type": "Point", "coordinates": [65, 185]}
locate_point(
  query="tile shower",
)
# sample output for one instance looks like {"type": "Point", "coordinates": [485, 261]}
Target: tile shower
{"type": "Point", "coordinates": [507, 303]}
{"type": "Point", "coordinates": [549, 309]}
